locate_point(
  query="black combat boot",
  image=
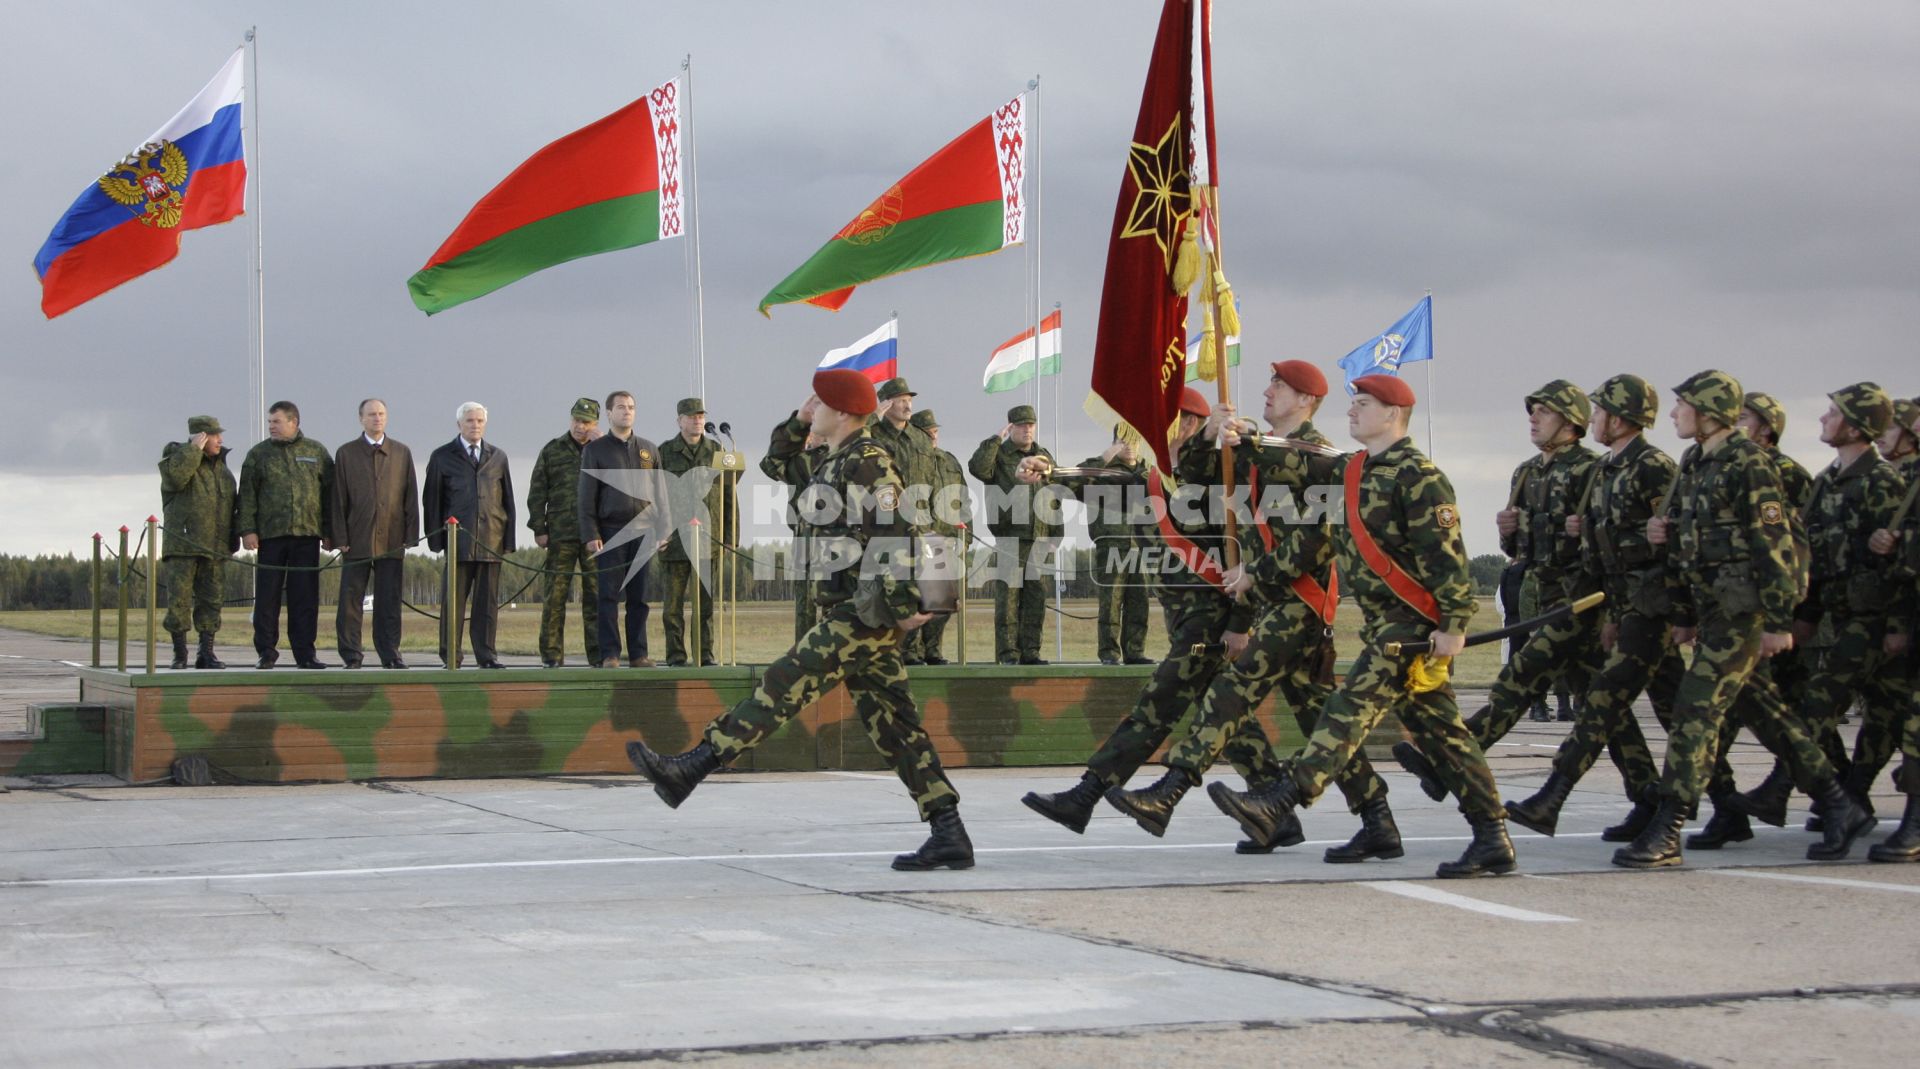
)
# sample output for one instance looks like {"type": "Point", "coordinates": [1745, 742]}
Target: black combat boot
{"type": "Point", "coordinates": [1727, 825]}
{"type": "Point", "coordinates": [1266, 814]}
{"type": "Point", "coordinates": [947, 848]}
{"type": "Point", "coordinates": [1414, 761]}
{"type": "Point", "coordinates": [674, 777]}
{"type": "Point", "coordinates": [206, 659]}
{"type": "Point", "coordinates": [1489, 854]}
{"type": "Point", "coordinates": [1904, 843]}
{"type": "Point", "coordinates": [180, 654]}
{"type": "Point", "coordinates": [1541, 812]}
{"type": "Point", "coordinates": [1844, 821]}
{"type": "Point", "coordinates": [1767, 803]}
{"type": "Point", "coordinates": [1071, 809]}
{"type": "Point", "coordinates": [1658, 846]}
{"type": "Point", "coordinates": [1152, 808]}
{"type": "Point", "coordinates": [1568, 714]}
{"type": "Point", "coordinates": [1378, 836]}
{"type": "Point", "coordinates": [1859, 786]}
{"type": "Point", "coordinates": [1538, 713]}
{"type": "Point", "coordinates": [1637, 818]}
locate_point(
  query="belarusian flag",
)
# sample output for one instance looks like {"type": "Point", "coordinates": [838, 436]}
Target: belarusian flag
{"type": "Point", "coordinates": [964, 200]}
{"type": "Point", "coordinates": [1014, 362]}
{"type": "Point", "coordinates": [612, 185]}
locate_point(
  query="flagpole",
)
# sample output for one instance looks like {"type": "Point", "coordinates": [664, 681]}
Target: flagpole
{"type": "Point", "coordinates": [692, 168]}
{"type": "Point", "coordinates": [1429, 363]}
{"type": "Point", "coordinates": [258, 372]}
{"type": "Point", "coordinates": [1032, 236]}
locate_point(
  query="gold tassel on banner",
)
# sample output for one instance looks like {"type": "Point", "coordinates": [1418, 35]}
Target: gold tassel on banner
{"type": "Point", "coordinates": [1206, 363]}
{"type": "Point", "coordinates": [1186, 263]}
{"type": "Point", "coordinates": [1229, 312]}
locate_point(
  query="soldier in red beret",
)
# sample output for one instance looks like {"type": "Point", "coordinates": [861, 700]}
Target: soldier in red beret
{"type": "Point", "coordinates": [868, 600]}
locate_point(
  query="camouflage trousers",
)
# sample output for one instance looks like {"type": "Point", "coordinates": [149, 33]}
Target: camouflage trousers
{"type": "Point", "coordinates": [563, 560]}
{"type": "Point", "coordinates": [806, 612]}
{"type": "Point", "coordinates": [1789, 674]}
{"type": "Point", "coordinates": [1726, 672]}
{"type": "Point", "coordinates": [1285, 649]}
{"type": "Point", "coordinates": [1122, 630]}
{"type": "Point", "coordinates": [1857, 665]}
{"type": "Point", "coordinates": [1375, 686]}
{"type": "Point", "coordinates": [196, 587]}
{"type": "Point", "coordinates": [1643, 658]}
{"type": "Point", "coordinates": [1568, 649]}
{"type": "Point", "coordinates": [1178, 685]}
{"type": "Point", "coordinates": [1019, 599]}
{"type": "Point", "coordinates": [841, 649]}
{"type": "Point", "coordinates": [680, 583]}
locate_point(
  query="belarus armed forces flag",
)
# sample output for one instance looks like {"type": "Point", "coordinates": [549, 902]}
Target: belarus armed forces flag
{"type": "Point", "coordinates": [191, 173]}
{"type": "Point", "coordinates": [1015, 361]}
{"type": "Point", "coordinates": [964, 200]}
{"type": "Point", "coordinates": [612, 185]}
{"type": "Point", "coordinates": [877, 356]}
{"type": "Point", "coordinates": [1408, 341]}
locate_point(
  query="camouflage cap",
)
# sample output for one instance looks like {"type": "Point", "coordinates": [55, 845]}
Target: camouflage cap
{"type": "Point", "coordinates": [1866, 406]}
{"type": "Point", "coordinates": [204, 425]}
{"type": "Point", "coordinates": [1629, 397]}
{"type": "Point", "coordinates": [1565, 398]}
{"type": "Point", "coordinates": [1022, 414]}
{"type": "Point", "coordinates": [587, 409]}
{"type": "Point", "coordinates": [924, 420]}
{"type": "Point", "coordinates": [893, 388]}
{"type": "Point", "coordinates": [1714, 394]}
{"type": "Point", "coordinates": [1771, 412]}
{"type": "Point", "coordinates": [690, 406]}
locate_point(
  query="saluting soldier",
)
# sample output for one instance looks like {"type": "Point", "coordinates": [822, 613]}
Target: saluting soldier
{"type": "Point", "coordinates": [1402, 559]}
{"type": "Point", "coordinates": [892, 426]}
{"type": "Point", "coordinates": [286, 513]}
{"type": "Point", "coordinates": [1122, 590]}
{"type": "Point", "coordinates": [865, 606]}
{"type": "Point", "coordinates": [197, 506]}
{"type": "Point", "coordinates": [688, 449]}
{"type": "Point", "coordinates": [553, 515]}
{"type": "Point", "coordinates": [950, 509]}
{"type": "Point", "coordinates": [793, 452]}
{"type": "Point", "coordinates": [1023, 518]}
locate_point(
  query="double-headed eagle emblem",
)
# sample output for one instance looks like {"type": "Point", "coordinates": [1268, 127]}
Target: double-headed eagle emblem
{"type": "Point", "coordinates": [157, 188]}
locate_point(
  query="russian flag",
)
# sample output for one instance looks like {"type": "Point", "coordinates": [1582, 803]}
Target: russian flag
{"type": "Point", "coordinates": [129, 221]}
{"type": "Point", "coordinates": [877, 356]}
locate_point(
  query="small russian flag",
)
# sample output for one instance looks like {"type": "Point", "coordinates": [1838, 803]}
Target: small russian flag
{"type": "Point", "coordinates": [877, 356]}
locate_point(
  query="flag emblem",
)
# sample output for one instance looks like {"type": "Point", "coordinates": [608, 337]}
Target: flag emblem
{"type": "Point", "coordinates": [1386, 351]}
{"type": "Point", "coordinates": [876, 220]}
{"type": "Point", "coordinates": [1163, 200]}
{"type": "Point", "coordinates": [159, 187]}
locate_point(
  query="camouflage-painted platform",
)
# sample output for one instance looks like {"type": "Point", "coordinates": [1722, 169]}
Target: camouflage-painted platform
{"type": "Point", "coordinates": [283, 727]}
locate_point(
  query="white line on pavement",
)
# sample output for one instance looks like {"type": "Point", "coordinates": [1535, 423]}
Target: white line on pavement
{"type": "Point", "coordinates": [1827, 881]}
{"type": "Point", "coordinates": [1448, 898]}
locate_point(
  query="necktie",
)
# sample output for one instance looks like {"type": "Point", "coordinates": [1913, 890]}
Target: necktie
{"type": "Point", "coordinates": [474, 452]}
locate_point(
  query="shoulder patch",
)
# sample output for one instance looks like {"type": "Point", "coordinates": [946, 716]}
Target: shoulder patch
{"type": "Point", "coordinates": [1446, 516]}
{"type": "Point", "coordinates": [888, 498]}
{"type": "Point", "coordinates": [644, 455]}
{"type": "Point", "coordinates": [1771, 512]}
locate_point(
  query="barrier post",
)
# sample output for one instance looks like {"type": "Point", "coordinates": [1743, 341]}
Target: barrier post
{"type": "Point", "coordinates": [966, 579]}
{"type": "Point", "coordinates": [153, 587]}
{"type": "Point", "coordinates": [450, 604]}
{"type": "Point", "coordinates": [97, 569]}
{"type": "Point", "coordinates": [120, 663]}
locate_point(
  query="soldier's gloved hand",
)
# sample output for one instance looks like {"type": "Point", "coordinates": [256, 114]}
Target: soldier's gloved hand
{"type": "Point", "coordinates": [1447, 645]}
{"type": "Point", "coordinates": [1575, 525]}
{"type": "Point", "coordinates": [912, 622]}
{"type": "Point", "coordinates": [1236, 644]}
{"type": "Point", "coordinates": [1883, 542]}
{"type": "Point", "coordinates": [540, 540]}
{"type": "Point", "coordinates": [1507, 520]}
{"type": "Point", "coordinates": [1657, 530]}
{"type": "Point", "coordinates": [1775, 643]}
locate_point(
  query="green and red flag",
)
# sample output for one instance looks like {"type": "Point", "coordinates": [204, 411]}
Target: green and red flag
{"type": "Point", "coordinates": [964, 200]}
{"type": "Point", "coordinates": [612, 185]}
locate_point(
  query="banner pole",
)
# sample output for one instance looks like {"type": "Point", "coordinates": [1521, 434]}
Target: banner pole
{"type": "Point", "coordinates": [692, 166]}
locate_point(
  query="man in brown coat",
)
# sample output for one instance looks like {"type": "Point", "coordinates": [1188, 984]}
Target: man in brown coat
{"type": "Point", "coordinates": [376, 516]}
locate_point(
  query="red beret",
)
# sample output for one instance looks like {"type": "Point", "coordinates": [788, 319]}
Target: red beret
{"type": "Point", "coordinates": [1192, 400]}
{"type": "Point", "coordinates": [1302, 376]}
{"type": "Point", "coordinates": [1387, 388]}
{"type": "Point", "coordinates": [845, 390]}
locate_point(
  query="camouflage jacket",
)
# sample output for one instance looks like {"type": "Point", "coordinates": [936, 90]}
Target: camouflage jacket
{"type": "Point", "coordinates": [789, 461]}
{"type": "Point", "coordinates": [286, 489]}
{"type": "Point", "coordinates": [1025, 511]}
{"type": "Point", "coordinates": [677, 457]}
{"type": "Point", "coordinates": [1904, 616]}
{"type": "Point", "coordinates": [1193, 509]}
{"type": "Point", "coordinates": [912, 451]}
{"type": "Point", "coordinates": [1731, 543]}
{"type": "Point", "coordinates": [1409, 507]}
{"type": "Point", "coordinates": [951, 504]}
{"type": "Point", "coordinates": [1615, 555]}
{"type": "Point", "coordinates": [1845, 508]}
{"type": "Point", "coordinates": [1107, 499]}
{"type": "Point", "coordinates": [1298, 499]}
{"type": "Point", "coordinates": [1546, 490]}
{"type": "Point", "coordinates": [553, 492]}
{"type": "Point", "coordinates": [196, 503]}
{"type": "Point", "coordinates": [855, 497]}
{"type": "Point", "coordinates": [1794, 478]}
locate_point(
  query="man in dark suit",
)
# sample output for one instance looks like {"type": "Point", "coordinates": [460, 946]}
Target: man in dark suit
{"type": "Point", "coordinates": [467, 479]}
{"type": "Point", "coordinates": [376, 516]}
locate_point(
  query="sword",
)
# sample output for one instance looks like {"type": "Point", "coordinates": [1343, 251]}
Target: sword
{"type": "Point", "coordinates": [1554, 616]}
{"type": "Point", "coordinates": [1092, 474]}
{"type": "Point", "coordinates": [1281, 442]}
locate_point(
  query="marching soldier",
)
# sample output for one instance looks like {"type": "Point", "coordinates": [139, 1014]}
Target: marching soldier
{"type": "Point", "coordinates": [553, 514]}
{"type": "Point", "coordinates": [688, 449]}
{"type": "Point", "coordinates": [286, 513]}
{"type": "Point", "coordinates": [197, 505]}
{"type": "Point", "coordinates": [1900, 443]}
{"type": "Point", "coordinates": [1122, 590]}
{"type": "Point", "coordinates": [1023, 518]}
{"type": "Point", "coordinates": [1402, 559]}
{"type": "Point", "coordinates": [865, 607]}
{"type": "Point", "coordinates": [950, 510]}
{"type": "Point", "coordinates": [793, 452]}
{"type": "Point", "coordinates": [1901, 545]}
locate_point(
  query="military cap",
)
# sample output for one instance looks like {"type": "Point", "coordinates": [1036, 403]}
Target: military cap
{"type": "Point", "coordinates": [588, 409]}
{"type": "Point", "coordinates": [1022, 414]}
{"type": "Point", "coordinates": [1564, 398]}
{"type": "Point", "coordinates": [1714, 394]}
{"type": "Point", "coordinates": [893, 388]}
{"type": "Point", "coordinates": [1388, 388]}
{"type": "Point", "coordinates": [1866, 406]}
{"type": "Point", "coordinates": [204, 425]}
{"type": "Point", "coordinates": [1630, 397]}
{"type": "Point", "coordinates": [1194, 402]}
{"type": "Point", "coordinates": [1770, 411]}
{"type": "Point", "coordinates": [845, 390]}
{"type": "Point", "coordinates": [1302, 376]}
{"type": "Point", "coordinates": [924, 420]}
{"type": "Point", "coordinates": [690, 406]}
{"type": "Point", "coordinates": [1907, 412]}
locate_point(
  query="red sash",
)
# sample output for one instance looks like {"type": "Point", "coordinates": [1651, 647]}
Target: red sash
{"type": "Point", "coordinates": [1200, 563]}
{"type": "Point", "coordinates": [1403, 585]}
{"type": "Point", "coordinates": [1323, 601]}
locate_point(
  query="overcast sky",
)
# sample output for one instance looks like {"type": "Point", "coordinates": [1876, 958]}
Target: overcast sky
{"type": "Point", "coordinates": [1586, 189]}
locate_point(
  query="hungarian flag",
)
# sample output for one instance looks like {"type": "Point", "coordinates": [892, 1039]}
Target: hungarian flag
{"type": "Point", "coordinates": [612, 185]}
{"type": "Point", "coordinates": [965, 200]}
{"type": "Point", "coordinates": [1018, 360]}
{"type": "Point", "coordinates": [1139, 349]}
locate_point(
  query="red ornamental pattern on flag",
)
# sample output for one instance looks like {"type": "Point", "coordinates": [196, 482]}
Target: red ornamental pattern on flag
{"type": "Point", "coordinates": [1010, 140]}
{"type": "Point", "coordinates": [664, 103]}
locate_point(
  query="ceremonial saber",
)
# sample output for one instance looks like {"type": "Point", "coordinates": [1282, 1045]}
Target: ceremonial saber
{"type": "Point", "coordinates": [1394, 649]}
{"type": "Point", "coordinates": [1093, 474]}
{"type": "Point", "coordinates": [1301, 444]}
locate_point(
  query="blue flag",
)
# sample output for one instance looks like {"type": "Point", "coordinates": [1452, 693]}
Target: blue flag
{"type": "Point", "coordinates": [1408, 341]}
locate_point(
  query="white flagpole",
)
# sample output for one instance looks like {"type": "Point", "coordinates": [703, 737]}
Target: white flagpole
{"type": "Point", "coordinates": [258, 371]}
{"type": "Point", "coordinates": [691, 173]}
{"type": "Point", "coordinates": [1429, 363]}
{"type": "Point", "coordinates": [1032, 236]}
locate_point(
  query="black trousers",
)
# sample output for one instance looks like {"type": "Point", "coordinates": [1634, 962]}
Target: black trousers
{"type": "Point", "coordinates": [385, 573]}
{"type": "Point", "coordinates": [479, 586]}
{"type": "Point", "coordinates": [300, 587]}
{"type": "Point", "coordinates": [613, 589]}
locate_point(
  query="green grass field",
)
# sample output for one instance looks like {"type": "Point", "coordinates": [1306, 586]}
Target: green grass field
{"type": "Point", "coordinates": [764, 630]}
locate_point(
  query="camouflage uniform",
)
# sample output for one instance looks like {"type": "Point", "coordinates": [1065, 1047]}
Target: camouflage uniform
{"type": "Point", "coordinates": [678, 457]}
{"type": "Point", "coordinates": [286, 500]}
{"type": "Point", "coordinates": [1122, 591]}
{"type": "Point", "coordinates": [843, 648]}
{"type": "Point", "coordinates": [553, 510]}
{"type": "Point", "coordinates": [197, 507]}
{"type": "Point", "coordinates": [951, 509]}
{"type": "Point", "coordinates": [1904, 844]}
{"type": "Point", "coordinates": [1020, 610]}
{"type": "Point", "coordinates": [790, 461]}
